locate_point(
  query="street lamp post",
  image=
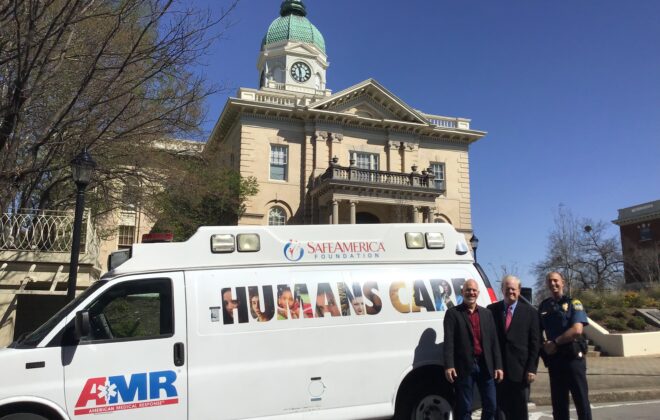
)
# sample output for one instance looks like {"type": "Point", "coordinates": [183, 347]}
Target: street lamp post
{"type": "Point", "coordinates": [474, 242]}
{"type": "Point", "coordinates": [82, 167]}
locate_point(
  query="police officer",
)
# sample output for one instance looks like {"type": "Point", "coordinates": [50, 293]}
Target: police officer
{"type": "Point", "coordinates": [562, 321]}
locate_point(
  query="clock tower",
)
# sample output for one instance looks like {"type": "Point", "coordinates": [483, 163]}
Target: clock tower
{"type": "Point", "coordinates": [292, 56]}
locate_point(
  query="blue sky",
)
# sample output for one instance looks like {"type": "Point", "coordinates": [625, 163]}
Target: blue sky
{"type": "Point", "coordinates": [568, 91]}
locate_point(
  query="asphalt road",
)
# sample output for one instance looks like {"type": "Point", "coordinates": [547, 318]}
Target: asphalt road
{"type": "Point", "coordinates": [640, 410]}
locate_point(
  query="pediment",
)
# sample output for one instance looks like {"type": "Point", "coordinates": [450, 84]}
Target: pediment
{"type": "Point", "coordinates": [301, 49]}
{"type": "Point", "coordinates": [370, 99]}
{"type": "Point", "coordinates": [365, 107]}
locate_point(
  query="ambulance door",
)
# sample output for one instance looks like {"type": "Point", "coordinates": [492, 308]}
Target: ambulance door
{"type": "Point", "coordinates": [132, 364]}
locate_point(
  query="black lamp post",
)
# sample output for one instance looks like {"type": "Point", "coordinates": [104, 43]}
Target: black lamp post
{"type": "Point", "coordinates": [82, 167]}
{"type": "Point", "coordinates": [474, 242]}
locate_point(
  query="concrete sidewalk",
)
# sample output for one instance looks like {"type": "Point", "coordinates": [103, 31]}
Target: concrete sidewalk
{"type": "Point", "coordinates": [610, 379]}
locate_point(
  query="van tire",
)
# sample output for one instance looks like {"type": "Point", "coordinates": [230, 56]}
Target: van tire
{"type": "Point", "coordinates": [424, 401]}
{"type": "Point", "coordinates": [24, 416]}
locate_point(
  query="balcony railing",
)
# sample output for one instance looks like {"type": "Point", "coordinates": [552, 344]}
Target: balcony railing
{"type": "Point", "coordinates": [45, 231]}
{"type": "Point", "coordinates": [448, 122]}
{"type": "Point", "coordinates": [425, 179]}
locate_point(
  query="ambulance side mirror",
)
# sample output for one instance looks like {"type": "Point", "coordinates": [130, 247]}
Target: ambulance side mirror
{"type": "Point", "coordinates": [83, 326]}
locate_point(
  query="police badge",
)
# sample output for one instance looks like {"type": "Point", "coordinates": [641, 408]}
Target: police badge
{"type": "Point", "coordinates": [564, 307]}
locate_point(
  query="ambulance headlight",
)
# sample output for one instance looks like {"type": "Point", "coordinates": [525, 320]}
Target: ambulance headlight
{"type": "Point", "coordinates": [248, 242]}
{"type": "Point", "coordinates": [435, 240]}
{"type": "Point", "coordinates": [222, 243]}
{"type": "Point", "coordinates": [415, 240]}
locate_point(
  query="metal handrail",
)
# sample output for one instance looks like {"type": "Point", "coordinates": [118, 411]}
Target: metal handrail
{"type": "Point", "coordinates": [41, 230]}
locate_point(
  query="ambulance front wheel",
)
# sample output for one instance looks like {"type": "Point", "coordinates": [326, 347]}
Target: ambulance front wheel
{"type": "Point", "coordinates": [23, 416]}
{"type": "Point", "coordinates": [424, 401]}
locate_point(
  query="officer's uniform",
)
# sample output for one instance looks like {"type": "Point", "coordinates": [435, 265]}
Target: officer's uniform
{"type": "Point", "coordinates": [567, 367]}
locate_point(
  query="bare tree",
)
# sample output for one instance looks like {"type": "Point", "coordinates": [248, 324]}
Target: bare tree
{"type": "Point", "coordinates": [643, 264]}
{"type": "Point", "coordinates": [600, 259]}
{"type": "Point", "coordinates": [583, 251]}
{"type": "Point", "coordinates": [499, 272]}
{"type": "Point", "coordinates": [109, 76]}
{"type": "Point", "coordinates": [562, 251]}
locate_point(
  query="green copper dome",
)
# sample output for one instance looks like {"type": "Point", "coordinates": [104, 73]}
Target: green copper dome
{"type": "Point", "coordinates": [292, 25]}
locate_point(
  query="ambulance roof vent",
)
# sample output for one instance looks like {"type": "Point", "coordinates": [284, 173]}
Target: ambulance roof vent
{"type": "Point", "coordinates": [461, 248]}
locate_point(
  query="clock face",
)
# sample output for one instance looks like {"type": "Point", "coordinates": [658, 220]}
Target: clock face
{"type": "Point", "coordinates": [300, 72]}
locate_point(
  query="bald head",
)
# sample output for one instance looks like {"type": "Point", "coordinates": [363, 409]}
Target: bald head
{"type": "Point", "coordinates": [555, 283]}
{"type": "Point", "coordinates": [470, 293]}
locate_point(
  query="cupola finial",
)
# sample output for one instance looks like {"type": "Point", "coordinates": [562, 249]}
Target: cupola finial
{"type": "Point", "coordinates": [293, 7]}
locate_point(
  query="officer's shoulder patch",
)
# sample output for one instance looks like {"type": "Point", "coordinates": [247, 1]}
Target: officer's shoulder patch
{"type": "Point", "coordinates": [577, 305]}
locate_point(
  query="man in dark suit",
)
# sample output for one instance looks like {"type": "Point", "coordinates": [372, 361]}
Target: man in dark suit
{"type": "Point", "coordinates": [472, 354]}
{"type": "Point", "coordinates": [518, 332]}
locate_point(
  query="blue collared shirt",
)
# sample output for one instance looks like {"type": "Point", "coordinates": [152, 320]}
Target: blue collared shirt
{"type": "Point", "coordinates": [513, 307]}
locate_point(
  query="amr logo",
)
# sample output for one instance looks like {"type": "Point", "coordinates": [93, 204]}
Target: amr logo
{"type": "Point", "coordinates": [115, 393]}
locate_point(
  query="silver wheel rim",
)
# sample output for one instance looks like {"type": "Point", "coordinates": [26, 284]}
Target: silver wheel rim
{"type": "Point", "coordinates": [432, 407]}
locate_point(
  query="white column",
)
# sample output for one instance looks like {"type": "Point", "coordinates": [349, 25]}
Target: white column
{"type": "Point", "coordinates": [418, 214]}
{"type": "Point", "coordinates": [353, 217]}
{"type": "Point", "coordinates": [335, 212]}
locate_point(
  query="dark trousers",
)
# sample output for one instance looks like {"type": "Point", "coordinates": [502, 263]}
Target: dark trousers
{"type": "Point", "coordinates": [465, 390]}
{"type": "Point", "coordinates": [567, 374]}
{"type": "Point", "coordinates": [512, 400]}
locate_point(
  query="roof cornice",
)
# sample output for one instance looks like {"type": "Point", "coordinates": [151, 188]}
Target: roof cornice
{"type": "Point", "coordinates": [236, 107]}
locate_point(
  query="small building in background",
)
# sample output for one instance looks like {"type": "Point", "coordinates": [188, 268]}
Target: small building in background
{"type": "Point", "coordinates": [640, 242]}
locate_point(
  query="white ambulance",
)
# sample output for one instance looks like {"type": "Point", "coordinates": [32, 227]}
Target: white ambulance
{"type": "Point", "coordinates": [292, 322]}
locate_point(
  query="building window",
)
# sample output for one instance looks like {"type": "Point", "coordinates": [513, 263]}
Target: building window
{"type": "Point", "coordinates": [279, 74]}
{"type": "Point", "coordinates": [439, 174]}
{"type": "Point", "coordinates": [130, 196]}
{"type": "Point", "coordinates": [126, 236]}
{"type": "Point", "coordinates": [645, 232]}
{"type": "Point", "coordinates": [276, 216]}
{"type": "Point", "coordinates": [278, 162]}
{"type": "Point", "coordinates": [365, 160]}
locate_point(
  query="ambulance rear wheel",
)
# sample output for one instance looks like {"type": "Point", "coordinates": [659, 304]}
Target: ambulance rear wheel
{"type": "Point", "coordinates": [424, 401]}
{"type": "Point", "coordinates": [23, 416]}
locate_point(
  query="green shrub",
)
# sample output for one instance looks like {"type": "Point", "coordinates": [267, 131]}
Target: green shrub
{"type": "Point", "coordinates": [597, 314]}
{"type": "Point", "coordinates": [636, 323]}
{"type": "Point", "coordinates": [617, 313]}
{"type": "Point", "coordinates": [633, 300]}
{"type": "Point", "coordinates": [590, 299]}
{"type": "Point", "coordinates": [654, 292]}
{"type": "Point", "coordinates": [615, 324]}
{"type": "Point", "coordinates": [648, 299]}
{"type": "Point", "coordinates": [613, 299]}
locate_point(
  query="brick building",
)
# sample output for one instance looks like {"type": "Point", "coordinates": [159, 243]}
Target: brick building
{"type": "Point", "coordinates": [640, 242]}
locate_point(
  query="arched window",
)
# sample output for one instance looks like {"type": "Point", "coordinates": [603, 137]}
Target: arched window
{"type": "Point", "coordinates": [279, 75]}
{"type": "Point", "coordinates": [276, 216]}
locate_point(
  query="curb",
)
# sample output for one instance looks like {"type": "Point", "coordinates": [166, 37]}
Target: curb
{"type": "Point", "coordinates": [611, 395]}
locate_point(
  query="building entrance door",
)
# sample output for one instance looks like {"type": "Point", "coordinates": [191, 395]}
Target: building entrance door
{"type": "Point", "coordinates": [366, 218]}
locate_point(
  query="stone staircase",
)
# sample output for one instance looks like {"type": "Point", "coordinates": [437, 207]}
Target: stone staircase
{"type": "Point", "coordinates": [593, 350]}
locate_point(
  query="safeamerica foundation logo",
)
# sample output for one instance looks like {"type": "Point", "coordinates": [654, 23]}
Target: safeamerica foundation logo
{"type": "Point", "coordinates": [334, 250]}
{"type": "Point", "coordinates": [293, 251]}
